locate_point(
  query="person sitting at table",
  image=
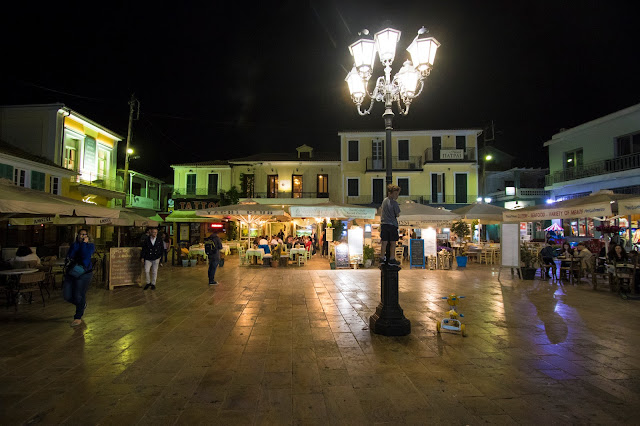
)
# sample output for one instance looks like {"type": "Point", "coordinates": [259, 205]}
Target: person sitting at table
{"type": "Point", "coordinates": [567, 253]}
{"type": "Point", "coordinates": [263, 241]}
{"type": "Point", "coordinates": [26, 255]}
{"type": "Point", "coordinates": [617, 255]}
{"type": "Point", "coordinates": [274, 241]}
{"type": "Point", "coordinates": [547, 254]}
{"type": "Point", "coordinates": [585, 256]}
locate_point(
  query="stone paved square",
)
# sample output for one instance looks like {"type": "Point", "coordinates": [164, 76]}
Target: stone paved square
{"type": "Point", "coordinates": [292, 346]}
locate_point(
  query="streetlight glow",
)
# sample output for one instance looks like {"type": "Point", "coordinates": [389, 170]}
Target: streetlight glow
{"type": "Point", "coordinates": [129, 151]}
{"type": "Point", "coordinates": [488, 157]}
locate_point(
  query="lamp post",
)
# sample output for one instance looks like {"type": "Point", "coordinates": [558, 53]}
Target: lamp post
{"type": "Point", "coordinates": [407, 84]}
{"type": "Point", "coordinates": [484, 179]}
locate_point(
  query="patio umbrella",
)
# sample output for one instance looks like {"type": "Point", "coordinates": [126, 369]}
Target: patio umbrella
{"type": "Point", "coordinates": [248, 211]}
{"type": "Point", "coordinates": [16, 201]}
{"type": "Point", "coordinates": [599, 204]}
{"type": "Point", "coordinates": [418, 215]}
{"type": "Point", "coordinates": [485, 213]}
{"type": "Point", "coordinates": [331, 210]}
{"type": "Point", "coordinates": [555, 228]}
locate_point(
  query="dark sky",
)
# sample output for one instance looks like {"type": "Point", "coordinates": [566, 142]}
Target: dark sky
{"type": "Point", "coordinates": [222, 80]}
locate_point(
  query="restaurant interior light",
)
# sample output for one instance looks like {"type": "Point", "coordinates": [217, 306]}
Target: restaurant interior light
{"type": "Point", "coordinates": [479, 199]}
{"type": "Point", "coordinates": [487, 200]}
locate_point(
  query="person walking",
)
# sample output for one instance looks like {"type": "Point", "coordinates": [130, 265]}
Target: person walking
{"type": "Point", "coordinates": [212, 247]}
{"type": "Point", "coordinates": [389, 225]}
{"type": "Point", "coordinates": [166, 241]}
{"type": "Point", "coordinates": [151, 256]}
{"type": "Point", "coordinates": [78, 274]}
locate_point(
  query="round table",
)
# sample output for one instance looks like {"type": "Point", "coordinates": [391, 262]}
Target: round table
{"type": "Point", "coordinates": [18, 271]}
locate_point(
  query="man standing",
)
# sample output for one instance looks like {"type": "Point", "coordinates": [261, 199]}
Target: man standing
{"type": "Point", "coordinates": [389, 225]}
{"type": "Point", "coordinates": [151, 256]}
{"type": "Point", "coordinates": [212, 247]}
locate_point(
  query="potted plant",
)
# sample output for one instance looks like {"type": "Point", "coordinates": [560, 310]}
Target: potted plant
{"type": "Point", "coordinates": [193, 259]}
{"type": "Point", "coordinates": [368, 253]}
{"type": "Point", "coordinates": [461, 229]}
{"type": "Point", "coordinates": [332, 261]}
{"type": "Point", "coordinates": [528, 262]}
{"type": "Point", "coordinates": [184, 257]}
{"type": "Point", "coordinates": [275, 255]}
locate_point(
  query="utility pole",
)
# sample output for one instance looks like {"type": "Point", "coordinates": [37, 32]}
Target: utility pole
{"type": "Point", "coordinates": [134, 106]}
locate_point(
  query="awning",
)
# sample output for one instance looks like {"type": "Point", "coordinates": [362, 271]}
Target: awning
{"type": "Point", "coordinates": [126, 218]}
{"type": "Point", "coordinates": [247, 211]}
{"type": "Point", "coordinates": [16, 200]}
{"type": "Point", "coordinates": [418, 215]}
{"type": "Point", "coordinates": [485, 213]}
{"type": "Point", "coordinates": [185, 216]}
{"type": "Point", "coordinates": [629, 206]}
{"type": "Point", "coordinates": [336, 211]}
{"type": "Point", "coordinates": [598, 204]}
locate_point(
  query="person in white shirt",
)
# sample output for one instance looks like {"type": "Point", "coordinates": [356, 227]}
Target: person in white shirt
{"type": "Point", "coordinates": [263, 242]}
{"type": "Point", "coordinates": [25, 254]}
{"type": "Point", "coordinates": [274, 241]}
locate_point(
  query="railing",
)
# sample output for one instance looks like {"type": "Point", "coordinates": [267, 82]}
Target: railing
{"type": "Point", "coordinates": [528, 192]}
{"type": "Point", "coordinates": [597, 168]}
{"type": "Point", "coordinates": [195, 192]}
{"type": "Point", "coordinates": [98, 181]}
{"type": "Point", "coordinates": [142, 202]}
{"type": "Point", "coordinates": [420, 199]}
{"type": "Point", "coordinates": [451, 154]}
{"type": "Point", "coordinates": [289, 194]}
{"type": "Point", "coordinates": [411, 163]}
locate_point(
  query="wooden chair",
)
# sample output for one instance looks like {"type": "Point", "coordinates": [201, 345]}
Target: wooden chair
{"type": "Point", "coordinates": [242, 255]}
{"type": "Point", "coordinates": [483, 256]}
{"type": "Point", "coordinates": [572, 269]}
{"type": "Point", "coordinates": [595, 274]}
{"type": "Point", "coordinates": [399, 253]}
{"type": "Point", "coordinates": [28, 283]}
{"type": "Point", "coordinates": [627, 276]}
{"type": "Point", "coordinates": [49, 279]}
{"type": "Point", "coordinates": [544, 266]}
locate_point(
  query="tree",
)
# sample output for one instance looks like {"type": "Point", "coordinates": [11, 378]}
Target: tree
{"type": "Point", "coordinates": [232, 196]}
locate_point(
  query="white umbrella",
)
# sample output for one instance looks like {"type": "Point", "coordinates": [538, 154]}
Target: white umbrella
{"type": "Point", "coordinates": [418, 215]}
{"type": "Point", "coordinates": [336, 211]}
{"type": "Point", "coordinates": [485, 213]}
{"type": "Point", "coordinates": [247, 212]}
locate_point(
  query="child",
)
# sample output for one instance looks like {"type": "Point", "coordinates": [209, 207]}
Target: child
{"type": "Point", "coordinates": [389, 225]}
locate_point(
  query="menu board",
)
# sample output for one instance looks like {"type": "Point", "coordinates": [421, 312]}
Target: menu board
{"type": "Point", "coordinates": [416, 253]}
{"type": "Point", "coordinates": [342, 256]}
{"type": "Point", "coordinates": [125, 267]}
{"type": "Point", "coordinates": [510, 245]}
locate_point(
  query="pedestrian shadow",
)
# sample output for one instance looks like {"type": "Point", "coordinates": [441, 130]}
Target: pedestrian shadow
{"type": "Point", "coordinates": [543, 297]}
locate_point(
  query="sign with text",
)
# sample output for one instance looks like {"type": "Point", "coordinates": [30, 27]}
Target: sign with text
{"type": "Point", "coordinates": [629, 207]}
{"type": "Point", "coordinates": [452, 154]}
{"type": "Point", "coordinates": [592, 210]}
{"type": "Point", "coordinates": [416, 253]}
{"type": "Point", "coordinates": [342, 256]}
{"type": "Point", "coordinates": [125, 267]}
{"type": "Point", "coordinates": [194, 204]}
{"type": "Point", "coordinates": [89, 154]}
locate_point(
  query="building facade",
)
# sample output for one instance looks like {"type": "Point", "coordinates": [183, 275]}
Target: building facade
{"type": "Point", "coordinates": [71, 141]}
{"type": "Point", "coordinates": [437, 167]}
{"type": "Point", "coordinates": [143, 194]}
{"type": "Point", "coordinates": [517, 187]}
{"type": "Point", "coordinates": [601, 154]}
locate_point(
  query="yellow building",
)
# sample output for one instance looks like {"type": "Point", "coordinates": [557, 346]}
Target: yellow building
{"type": "Point", "coordinates": [69, 140]}
{"type": "Point", "coordinates": [438, 167]}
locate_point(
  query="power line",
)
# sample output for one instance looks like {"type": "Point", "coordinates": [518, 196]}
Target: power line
{"type": "Point", "coordinates": [62, 92]}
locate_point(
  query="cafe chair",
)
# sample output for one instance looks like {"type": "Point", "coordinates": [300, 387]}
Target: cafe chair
{"type": "Point", "coordinates": [28, 283]}
{"type": "Point", "coordinates": [543, 269]}
{"type": "Point", "coordinates": [24, 264]}
{"type": "Point", "coordinates": [399, 253]}
{"type": "Point", "coordinates": [49, 279]}
{"type": "Point", "coordinates": [626, 277]}
{"type": "Point", "coordinates": [242, 255]}
{"type": "Point", "coordinates": [595, 274]}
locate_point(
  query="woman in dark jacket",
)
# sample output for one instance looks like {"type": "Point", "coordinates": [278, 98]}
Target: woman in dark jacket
{"type": "Point", "coordinates": [74, 289]}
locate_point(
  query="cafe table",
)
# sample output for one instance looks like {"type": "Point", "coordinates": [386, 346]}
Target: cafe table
{"type": "Point", "coordinates": [14, 274]}
{"type": "Point", "coordinates": [572, 267]}
{"type": "Point", "coordinates": [256, 253]}
{"type": "Point", "coordinates": [299, 251]}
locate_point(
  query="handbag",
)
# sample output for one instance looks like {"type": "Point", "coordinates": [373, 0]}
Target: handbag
{"type": "Point", "coordinates": [77, 271]}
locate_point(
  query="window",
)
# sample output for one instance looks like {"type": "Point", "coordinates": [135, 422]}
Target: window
{"type": "Point", "coordinates": [70, 158]}
{"type": "Point", "coordinates": [354, 150]}
{"type": "Point", "coordinates": [296, 186]}
{"type": "Point", "coordinates": [629, 144]}
{"type": "Point", "coordinates": [272, 186]}
{"type": "Point", "coordinates": [353, 187]}
{"type": "Point", "coordinates": [212, 185]}
{"type": "Point", "coordinates": [247, 185]}
{"type": "Point", "coordinates": [37, 180]}
{"type": "Point", "coordinates": [103, 157]}
{"type": "Point", "coordinates": [403, 150]}
{"type": "Point", "coordinates": [403, 183]}
{"type": "Point", "coordinates": [6, 171]}
{"type": "Point", "coordinates": [54, 185]}
{"type": "Point", "coordinates": [461, 142]}
{"type": "Point", "coordinates": [323, 186]}
{"type": "Point", "coordinates": [191, 184]}
{"type": "Point", "coordinates": [20, 177]}
{"type": "Point", "coordinates": [573, 159]}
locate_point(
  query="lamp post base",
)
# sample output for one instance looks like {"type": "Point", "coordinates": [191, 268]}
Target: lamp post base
{"type": "Point", "coordinates": [389, 319]}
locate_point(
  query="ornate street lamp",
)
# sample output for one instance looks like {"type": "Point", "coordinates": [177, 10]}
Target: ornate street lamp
{"type": "Point", "coordinates": [406, 85]}
{"type": "Point", "coordinates": [403, 88]}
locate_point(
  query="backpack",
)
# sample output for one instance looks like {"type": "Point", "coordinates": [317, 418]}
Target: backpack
{"type": "Point", "coordinates": [210, 248]}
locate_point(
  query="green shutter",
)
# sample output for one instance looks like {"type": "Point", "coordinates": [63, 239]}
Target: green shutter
{"type": "Point", "coordinates": [37, 180]}
{"type": "Point", "coordinates": [6, 172]}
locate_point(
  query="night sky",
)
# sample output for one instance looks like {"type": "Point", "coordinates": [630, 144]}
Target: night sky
{"type": "Point", "coordinates": [227, 79]}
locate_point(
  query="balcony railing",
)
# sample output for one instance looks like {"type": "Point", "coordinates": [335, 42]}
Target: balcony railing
{"type": "Point", "coordinates": [142, 202]}
{"type": "Point", "coordinates": [193, 192]}
{"type": "Point", "coordinates": [98, 181]}
{"type": "Point", "coordinates": [410, 163]}
{"type": "Point", "coordinates": [522, 193]}
{"type": "Point", "coordinates": [420, 199]}
{"type": "Point", "coordinates": [289, 194]}
{"type": "Point", "coordinates": [450, 155]}
{"type": "Point", "coordinates": [597, 168]}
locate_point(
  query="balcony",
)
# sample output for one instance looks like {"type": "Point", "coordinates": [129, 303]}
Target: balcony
{"type": "Point", "coordinates": [420, 199]}
{"type": "Point", "coordinates": [195, 192]}
{"type": "Point", "coordinates": [379, 165]}
{"type": "Point", "coordinates": [597, 168]}
{"type": "Point", "coordinates": [522, 193]}
{"type": "Point", "coordinates": [450, 155]}
{"type": "Point", "coordinates": [142, 202]}
{"type": "Point", "coordinates": [289, 194]}
{"type": "Point", "coordinates": [89, 183]}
